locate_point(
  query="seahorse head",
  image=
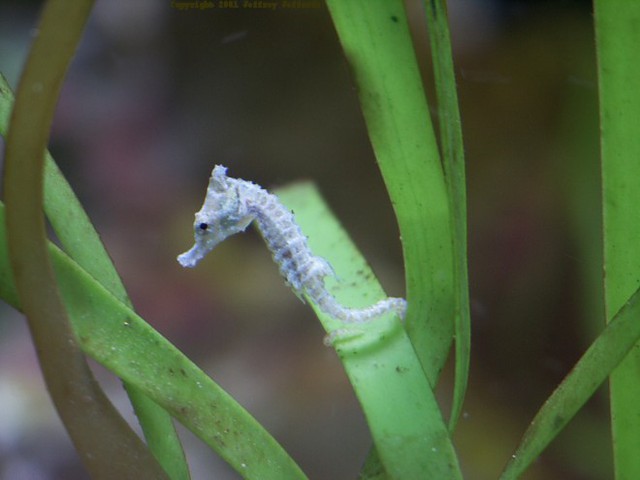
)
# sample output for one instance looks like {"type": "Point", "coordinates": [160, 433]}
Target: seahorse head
{"type": "Point", "coordinates": [223, 214]}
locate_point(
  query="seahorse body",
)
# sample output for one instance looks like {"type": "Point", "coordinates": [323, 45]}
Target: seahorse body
{"type": "Point", "coordinates": [231, 204]}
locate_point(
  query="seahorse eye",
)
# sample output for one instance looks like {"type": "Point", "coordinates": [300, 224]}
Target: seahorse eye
{"type": "Point", "coordinates": [203, 226]}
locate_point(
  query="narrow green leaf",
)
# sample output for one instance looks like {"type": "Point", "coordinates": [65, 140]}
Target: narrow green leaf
{"type": "Point", "coordinates": [159, 432]}
{"type": "Point", "coordinates": [115, 336]}
{"type": "Point", "coordinates": [602, 357]}
{"type": "Point", "coordinates": [617, 40]}
{"type": "Point", "coordinates": [409, 432]}
{"type": "Point", "coordinates": [454, 169]}
{"type": "Point", "coordinates": [82, 243]}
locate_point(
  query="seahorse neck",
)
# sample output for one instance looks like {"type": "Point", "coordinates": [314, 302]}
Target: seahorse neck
{"type": "Point", "coordinates": [273, 220]}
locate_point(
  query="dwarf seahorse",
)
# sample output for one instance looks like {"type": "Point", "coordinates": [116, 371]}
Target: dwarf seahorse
{"type": "Point", "coordinates": [231, 204]}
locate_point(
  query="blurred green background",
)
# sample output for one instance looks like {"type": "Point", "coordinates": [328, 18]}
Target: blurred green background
{"type": "Point", "coordinates": [158, 95]}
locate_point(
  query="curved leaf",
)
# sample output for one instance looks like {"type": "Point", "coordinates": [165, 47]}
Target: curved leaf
{"type": "Point", "coordinates": [97, 430]}
{"type": "Point", "coordinates": [115, 336]}
{"type": "Point", "coordinates": [82, 243]}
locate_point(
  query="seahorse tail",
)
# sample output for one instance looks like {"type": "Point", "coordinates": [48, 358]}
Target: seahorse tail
{"type": "Point", "coordinates": [330, 305]}
{"type": "Point", "coordinates": [387, 305]}
{"type": "Point", "coordinates": [398, 305]}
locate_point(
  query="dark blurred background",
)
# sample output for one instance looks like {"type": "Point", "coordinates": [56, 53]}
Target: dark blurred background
{"type": "Point", "coordinates": [156, 96]}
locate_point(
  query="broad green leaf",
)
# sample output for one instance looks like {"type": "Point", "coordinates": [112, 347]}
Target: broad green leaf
{"type": "Point", "coordinates": [377, 44]}
{"type": "Point", "coordinates": [375, 37]}
{"type": "Point", "coordinates": [409, 432]}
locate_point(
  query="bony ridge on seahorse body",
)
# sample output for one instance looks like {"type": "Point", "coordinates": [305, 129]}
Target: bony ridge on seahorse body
{"type": "Point", "coordinates": [231, 204]}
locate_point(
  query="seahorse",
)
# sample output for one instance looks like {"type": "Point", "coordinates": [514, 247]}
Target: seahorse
{"type": "Point", "coordinates": [231, 204]}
